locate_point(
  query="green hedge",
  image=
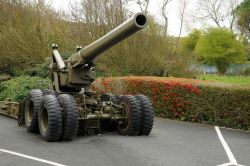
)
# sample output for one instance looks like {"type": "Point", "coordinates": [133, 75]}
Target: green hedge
{"type": "Point", "coordinates": [17, 88]}
{"type": "Point", "coordinates": [189, 100]}
{"type": "Point", "coordinates": [228, 107]}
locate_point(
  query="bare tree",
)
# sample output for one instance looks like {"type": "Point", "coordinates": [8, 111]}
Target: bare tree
{"type": "Point", "coordinates": [143, 4]}
{"type": "Point", "coordinates": [219, 12]}
{"type": "Point", "coordinates": [231, 14]}
{"type": "Point", "coordinates": [182, 10]}
{"type": "Point", "coordinates": [164, 14]}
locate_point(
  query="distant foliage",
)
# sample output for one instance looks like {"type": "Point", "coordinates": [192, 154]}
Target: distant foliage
{"type": "Point", "coordinates": [185, 58]}
{"type": "Point", "coordinates": [25, 33]}
{"type": "Point", "coordinates": [248, 52]}
{"type": "Point", "coordinates": [219, 46]}
{"type": "Point", "coordinates": [191, 40]}
{"type": "Point", "coordinates": [243, 17]}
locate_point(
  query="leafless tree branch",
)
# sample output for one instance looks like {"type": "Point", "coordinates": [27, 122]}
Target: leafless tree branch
{"type": "Point", "coordinates": [219, 12]}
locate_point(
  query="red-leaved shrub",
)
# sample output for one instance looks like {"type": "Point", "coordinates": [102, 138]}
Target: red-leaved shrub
{"type": "Point", "coordinates": [187, 99]}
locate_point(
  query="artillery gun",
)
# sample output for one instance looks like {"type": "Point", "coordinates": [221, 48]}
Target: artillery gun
{"type": "Point", "coordinates": [71, 107]}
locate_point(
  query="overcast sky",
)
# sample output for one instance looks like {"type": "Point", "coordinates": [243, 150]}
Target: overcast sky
{"type": "Point", "coordinates": [173, 8]}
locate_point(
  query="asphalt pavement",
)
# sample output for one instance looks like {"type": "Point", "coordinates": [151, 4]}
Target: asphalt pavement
{"type": "Point", "coordinates": [172, 143]}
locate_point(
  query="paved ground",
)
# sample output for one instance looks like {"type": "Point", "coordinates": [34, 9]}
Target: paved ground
{"type": "Point", "coordinates": [172, 143]}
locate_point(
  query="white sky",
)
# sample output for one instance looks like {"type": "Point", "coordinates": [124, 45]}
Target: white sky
{"type": "Point", "coordinates": [154, 9]}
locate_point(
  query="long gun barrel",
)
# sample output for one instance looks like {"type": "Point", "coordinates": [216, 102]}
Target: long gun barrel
{"type": "Point", "coordinates": [92, 51]}
{"type": "Point", "coordinates": [78, 70]}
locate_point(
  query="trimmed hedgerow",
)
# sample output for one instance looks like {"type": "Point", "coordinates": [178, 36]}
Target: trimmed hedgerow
{"type": "Point", "coordinates": [182, 99]}
{"type": "Point", "coordinates": [17, 88]}
{"type": "Point", "coordinates": [228, 107]}
{"type": "Point", "coordinates": [186, 99]}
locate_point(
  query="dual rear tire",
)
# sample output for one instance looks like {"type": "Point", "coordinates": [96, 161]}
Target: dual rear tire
{"type": "Point", "coordinates": [147, 114]}
{"type": "Point", "coordinates": [70, 117]}
{"type": "Point", "coordinates": [140, 115]}
{"type": "Point", "coordinates": [50, 118]}
{"type": "Point", "coordinates": [55, 117]}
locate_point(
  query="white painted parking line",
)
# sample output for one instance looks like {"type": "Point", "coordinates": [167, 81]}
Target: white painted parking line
{"type": "Point", "coordinates": [232, 160]}
{"type": "Point", "coordinates": [31, 158]}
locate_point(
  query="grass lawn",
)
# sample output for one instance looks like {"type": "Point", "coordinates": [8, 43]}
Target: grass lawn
{"type": "Point", "coordinates": [241, 80]}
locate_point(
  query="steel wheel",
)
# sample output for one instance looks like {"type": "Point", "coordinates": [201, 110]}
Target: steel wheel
{"type": "Point", "coordinates": [131, 109]}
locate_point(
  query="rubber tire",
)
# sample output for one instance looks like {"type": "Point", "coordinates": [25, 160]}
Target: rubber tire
{"type": "Point", "coordinates": [147, 115]}
{"type": "Point", "coordinates": [134, 116]}
{"type": "Point", "coordinates": [54, 115]}
{"type": "Point", "coordinates": [70, 114]}
{"type": "Point", "coordinates": [34, 96]}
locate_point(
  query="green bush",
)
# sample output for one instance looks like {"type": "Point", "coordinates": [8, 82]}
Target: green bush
{"type": "Point", "coordinates": [220, 46]}
{"type": "Point", "coordinates": [17, 88]}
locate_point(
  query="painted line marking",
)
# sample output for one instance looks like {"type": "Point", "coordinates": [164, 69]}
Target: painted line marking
{"type": "Point", "coordinates": [31, 158]}
{"type": "Point", "coordinates": [232, 160]}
